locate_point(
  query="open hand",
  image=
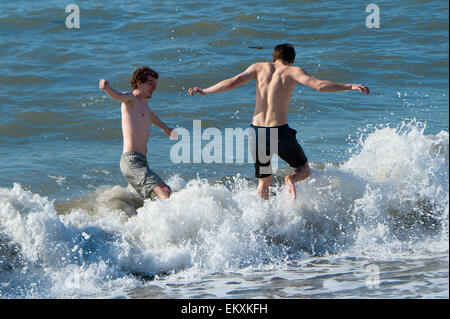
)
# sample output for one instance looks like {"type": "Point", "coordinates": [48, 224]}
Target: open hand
{"type": "Point", "coordinates": [197, 90]}
{"type": "Point", "coordinates": [173, 134]}
{"type": "Point", "coordinates": [361, 87]}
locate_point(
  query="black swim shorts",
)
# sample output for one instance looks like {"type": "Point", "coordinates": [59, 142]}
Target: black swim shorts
{"type": "Point", "coordinates": [280, 140]}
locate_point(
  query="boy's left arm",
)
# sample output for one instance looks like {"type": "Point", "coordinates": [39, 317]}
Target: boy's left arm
{"type": "Point", "coordinates": [154, 119]}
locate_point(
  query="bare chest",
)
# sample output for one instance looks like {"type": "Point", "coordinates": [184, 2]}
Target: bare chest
{"type": "Point", "coordinates": [136, 115]}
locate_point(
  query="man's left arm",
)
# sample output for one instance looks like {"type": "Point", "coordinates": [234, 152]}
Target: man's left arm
{"type": "Point", "coordinates": [155, 120]}
{"type": "Point", "coordinates": [326, 86]}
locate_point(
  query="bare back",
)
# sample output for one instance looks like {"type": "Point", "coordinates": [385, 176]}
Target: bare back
{"type": "Point", "coordinates": [135, 126]}
{"type": "Point", "coordinates": [274, 85]}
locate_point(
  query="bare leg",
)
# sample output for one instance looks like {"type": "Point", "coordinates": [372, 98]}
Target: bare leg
{"type": "Point", "coordinates": [263, 187]}
{"type": "Point", "coordinates": [162, 191]}
{"type": "Point", "coordinates": [299, 174]}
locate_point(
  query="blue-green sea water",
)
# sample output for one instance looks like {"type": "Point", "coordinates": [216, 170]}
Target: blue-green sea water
{"type": "Point", "coordinates": [370, 222]}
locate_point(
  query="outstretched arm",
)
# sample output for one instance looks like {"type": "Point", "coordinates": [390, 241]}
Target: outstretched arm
{"type": "Point", "coordinates": [122, 97]}
{"type": "Point", "coordinates": [154, 119]}
{"type": "Point", "coordinates": [228, 84]}
{"type": "Point", "coordinates": [326, 86]}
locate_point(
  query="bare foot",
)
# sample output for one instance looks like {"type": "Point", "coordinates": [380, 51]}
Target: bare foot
{"type": "Point", "coordinates": [290, 184]}
{"type": "Point", "coordinates": [264, 194]}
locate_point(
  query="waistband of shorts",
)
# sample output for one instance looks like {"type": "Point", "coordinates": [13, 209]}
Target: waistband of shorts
{"type": "Point", "coordinates": [280, 126]}
{"type": "Point", "coordinates": [133, 153]}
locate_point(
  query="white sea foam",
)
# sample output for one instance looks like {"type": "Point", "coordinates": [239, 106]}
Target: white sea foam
{"type": "Point", "coordinates": [390, 198]}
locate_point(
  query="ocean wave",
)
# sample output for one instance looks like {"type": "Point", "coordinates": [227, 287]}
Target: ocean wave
{"type": "Point", "coordinates": [390, 198]}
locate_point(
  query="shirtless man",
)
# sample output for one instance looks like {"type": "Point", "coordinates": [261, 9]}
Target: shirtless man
{"type": "Point", "coordinates": [275, 82]}
{"type": "Point", "coordinates": [136, 120]}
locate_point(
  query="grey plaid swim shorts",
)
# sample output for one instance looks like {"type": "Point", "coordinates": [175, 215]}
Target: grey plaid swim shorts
{"type": "Point", "coordinates": [134, 167]}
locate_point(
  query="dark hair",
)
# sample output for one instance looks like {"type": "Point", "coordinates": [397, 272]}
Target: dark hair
{"type": "Point", "coordinates": [141, 74]}
{"type": "Point", "coordinates": [284, 52]}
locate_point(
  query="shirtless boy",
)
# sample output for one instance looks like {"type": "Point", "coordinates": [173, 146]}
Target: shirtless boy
{"type": "Point", "coordinates": [275, 82]}
{"type": "Point", "coordinates": [136, 120]}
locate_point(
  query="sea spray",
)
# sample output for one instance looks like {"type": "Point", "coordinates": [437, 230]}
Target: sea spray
{"type": "Point", "coordinates": [406, 193]}
{"type": "Point", "coordinates": [389, 199]}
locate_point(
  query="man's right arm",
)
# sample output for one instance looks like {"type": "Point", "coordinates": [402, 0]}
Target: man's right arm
{"type": "Point", "coordinates": [122, 97]}
{"type": "Point", "coordinates": [228, 84]}
{"type": "Point", "coordinates": [326, 86]}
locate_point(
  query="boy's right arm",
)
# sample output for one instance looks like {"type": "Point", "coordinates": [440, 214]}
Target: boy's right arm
{"type": "Point", "coordinates": [122, 97]}
{"type": "Point", "coordinates": [228, 84]}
